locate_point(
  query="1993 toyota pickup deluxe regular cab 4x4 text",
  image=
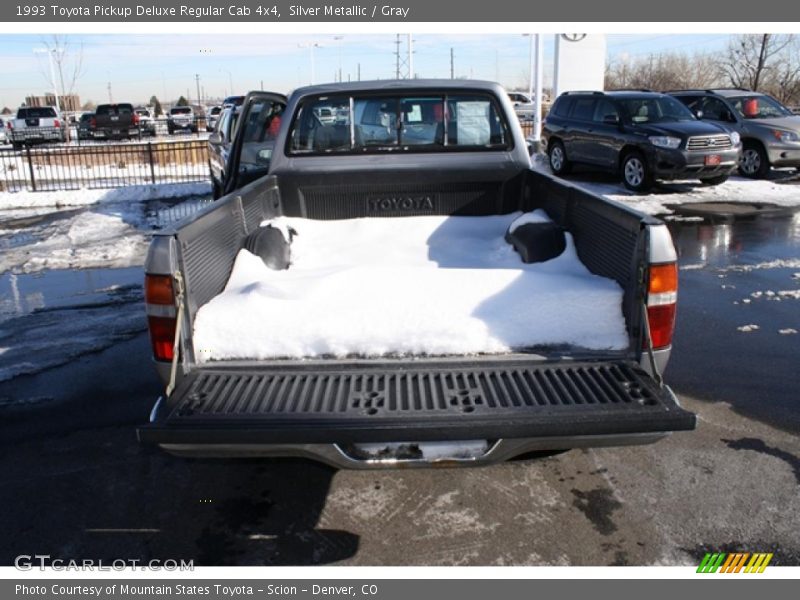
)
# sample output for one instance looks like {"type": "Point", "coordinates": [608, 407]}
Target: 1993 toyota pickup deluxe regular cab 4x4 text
{"type": "Point", "coordinates": [400, 288]}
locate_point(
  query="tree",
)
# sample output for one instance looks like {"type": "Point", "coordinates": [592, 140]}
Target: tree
{"type": "Point", "coordinates": [664, 71]}
{"type": "Point", "coordinates": [182, 102]}
{"type": "Point", "coordinates": [5, 111]}
{"type": "Point", "coordinates": [88, 105]}
{"type": "Point", "coordinates": [753, 59]}
{"type": "Point", "coordinates": [157, 109]}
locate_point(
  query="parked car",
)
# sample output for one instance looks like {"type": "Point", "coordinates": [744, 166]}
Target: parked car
{"type": "Point", "coordinates": [3, 131]}
{"type": "Point", "coordinates": [213, 117]}
{"type": "Point", "coordinates": [37, 125]}
{"type": "Point", "coordinates": [642, 136]}
{"type": "Point", "coordinates": [181, 118]}
{"type": "Point", "coordinates": [147, 124]}
{"type": "Point", "coordinates": [386, 408]}
{"type": "Point", "coordinates": [770, 132]}
{"type": "Point", "coordinates": [86, 126]}
{"type": "Point", "coordinates": [524, 106]}
{"type": "Point", "coordinates": [266, 115]}
{"type": "Point", "coordinates": [232, 101]}
{"type": "Point", "coordinates": [116, 121]}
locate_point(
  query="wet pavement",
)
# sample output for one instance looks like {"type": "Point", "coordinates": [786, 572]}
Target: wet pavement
{"type": "Point", "coordinates": [76, 484]}
{"type": "Point", "coordinates": [738, 315]}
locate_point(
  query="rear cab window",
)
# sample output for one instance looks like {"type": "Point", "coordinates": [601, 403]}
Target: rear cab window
{"type": "Point", "coordinates": [398, 123]}
{"type": "Point", "coordinates": [114, 110]}
{"type": "Point", "coordinates": [36, 112]}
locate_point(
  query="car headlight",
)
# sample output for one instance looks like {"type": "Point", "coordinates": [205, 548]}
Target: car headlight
{"type": "Point", "coordinates": [786, 136]}
{"type": "Point", "coordinates": [735, 138]}
{"type": "Point", "coordinates": [663, 141]}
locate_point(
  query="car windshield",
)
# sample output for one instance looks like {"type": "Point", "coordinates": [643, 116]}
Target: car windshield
{"type": "Point", "coordinates": [659, 109]}
{"type": "Point", "coordinates": [184, 110]}
{"type": "Point", "coordinates": [758, 107]}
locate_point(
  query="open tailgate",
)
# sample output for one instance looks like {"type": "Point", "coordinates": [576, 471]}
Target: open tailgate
{"type": "Point", "coordinates": [330, 402]}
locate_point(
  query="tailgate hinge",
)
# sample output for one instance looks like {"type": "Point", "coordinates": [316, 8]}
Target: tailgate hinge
{"type": "Point", "coordinates": [179, 320]}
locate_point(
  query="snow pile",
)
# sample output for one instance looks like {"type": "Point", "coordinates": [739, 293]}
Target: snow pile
{"type": "Point", "coordinates": [84, 197]}
{"type": "Point", "coordinates": [735, 190]}
{"type": "Point", "coordinates": [407, 286]}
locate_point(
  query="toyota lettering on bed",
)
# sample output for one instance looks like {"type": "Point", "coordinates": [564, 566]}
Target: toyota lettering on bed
{"type": "Point", "coordinates": [405, 203]}
{"type": "Point", "coordinates": [389, 283]}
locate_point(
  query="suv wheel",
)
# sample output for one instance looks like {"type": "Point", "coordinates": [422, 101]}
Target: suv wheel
{"type": "Point", "coordinates": [558, 159]}
{"type": "Point", "coordinates": [754, 162]}
{"type": "Point", "coordinates": [635, 173]}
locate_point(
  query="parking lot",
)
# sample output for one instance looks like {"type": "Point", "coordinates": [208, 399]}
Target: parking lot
{"type": "Point", "coordinates": [76, 379]}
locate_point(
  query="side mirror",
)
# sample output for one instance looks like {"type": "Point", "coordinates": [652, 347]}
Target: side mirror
{"type": "Point", "coordinates": [215, 138]}
{"type": "Point", "coordinates": [611, 120]}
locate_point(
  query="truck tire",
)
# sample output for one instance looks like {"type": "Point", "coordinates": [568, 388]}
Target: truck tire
{"type": "Point", "coordinates": [635, 173]}
{"type": "Point", "coordinates": [557, 156]}
{"type": "Point", "coordinates": [754, 162]}
{"type": "Point", "coordinates": [714, 180]}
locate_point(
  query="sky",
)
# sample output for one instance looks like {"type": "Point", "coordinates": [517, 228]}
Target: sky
{"type": "Point", "coordinates": [138, 66]}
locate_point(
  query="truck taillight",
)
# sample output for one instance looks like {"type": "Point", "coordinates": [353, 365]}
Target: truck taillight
{"type": "Point", "coordinates": [159, 300]}
{"type": "Point", "coordinates": [135, 119]}
{"type": "Point", "coordinates": [93, 123]}
{"type": "Point", "coordinates": [10, 125]}
{"type": "Point", "coordinates": [662, 296]}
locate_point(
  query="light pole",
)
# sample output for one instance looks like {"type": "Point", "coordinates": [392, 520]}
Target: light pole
{"type": "Point", "coordinates": [230, 80]}
{"type": "Point", "coordinates": [338, 39]}
{"type": "Point", "coordinates": [49, 53]}
{"type": "Point", "coordinates": [536, 72]}
{"type": "Point", "coordinates": [310, 46]}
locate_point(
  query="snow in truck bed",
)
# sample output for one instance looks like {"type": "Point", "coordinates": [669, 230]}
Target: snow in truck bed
{"type": "Point", "coordinates": [407, 286]}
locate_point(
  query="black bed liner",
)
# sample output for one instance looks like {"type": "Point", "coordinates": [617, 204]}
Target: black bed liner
{"type": "Point", "coordinates": [419, 401]}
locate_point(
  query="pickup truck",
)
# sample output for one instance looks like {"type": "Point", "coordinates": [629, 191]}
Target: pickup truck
{"type": "Point", "coordinates": [116, 121]}
{"type": "Point", "coordinates": [391, 321]}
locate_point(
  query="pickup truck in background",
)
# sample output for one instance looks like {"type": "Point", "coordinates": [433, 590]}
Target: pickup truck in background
{"type": "Point", "coordinates": [36, 125]}
{"type": "Point", "coordinates": [116, 122]}
{"type": "Point", "coordinates": [447, 150]}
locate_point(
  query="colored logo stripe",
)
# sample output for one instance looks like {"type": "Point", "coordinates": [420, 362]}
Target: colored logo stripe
{"type": "Point", "coordinates": [734, 562]}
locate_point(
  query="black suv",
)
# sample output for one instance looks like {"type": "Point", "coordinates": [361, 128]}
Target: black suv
{"type": "Point", "coordinates": [641, 135]}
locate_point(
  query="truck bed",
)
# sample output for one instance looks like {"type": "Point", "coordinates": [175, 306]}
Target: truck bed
{"type": "Point", "coordinates": [513, 401]}
{"type": "Point", "coordinates": [414, 286]}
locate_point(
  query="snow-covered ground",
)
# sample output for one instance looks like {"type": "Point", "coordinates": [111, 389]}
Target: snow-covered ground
{"type": "Point", "coordinates": [71, 269]}
{"type": "Point", "coordinates": [83, 228]}
{"type": "Point", "coordinates": [411, 286]}
{"type": "Point", "coordinates": [735, 190]}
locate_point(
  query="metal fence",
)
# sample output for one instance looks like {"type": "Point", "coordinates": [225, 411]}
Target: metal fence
{"type": "Point", "coordinates": [50, 168]}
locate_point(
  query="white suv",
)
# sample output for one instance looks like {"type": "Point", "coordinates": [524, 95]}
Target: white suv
{"type": "Point", "coordinates": [36, 124]}
{"type": "Point", "coordinates": [181, 118]}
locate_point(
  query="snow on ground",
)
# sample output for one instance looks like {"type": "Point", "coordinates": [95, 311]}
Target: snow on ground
{"type": "Point", "coordinates": [109, 228]}
{"type": "Point", "coordinates": [416, 285]}
{"type": "Point", "coordinates": [85, 197]}
{"type": "Point", "coordinates": [735, 190]}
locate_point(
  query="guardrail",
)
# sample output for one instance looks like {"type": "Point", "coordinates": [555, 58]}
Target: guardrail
{"type": "Point", "coordinates": [51, 168]}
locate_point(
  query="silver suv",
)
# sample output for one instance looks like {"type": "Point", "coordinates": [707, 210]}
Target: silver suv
{"type": "Point", "coordinates": [770, 132]}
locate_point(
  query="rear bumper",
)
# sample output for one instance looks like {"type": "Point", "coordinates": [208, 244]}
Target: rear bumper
{"type": "Point", "coordinates": [517, 405]}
